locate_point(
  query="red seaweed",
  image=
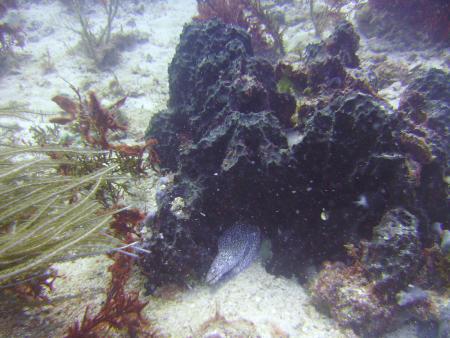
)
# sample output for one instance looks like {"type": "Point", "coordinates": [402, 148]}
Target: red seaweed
{"type": "Point", "coordinates": [95, 123]}
{"type": "Point", "coordinates": [121, 310]}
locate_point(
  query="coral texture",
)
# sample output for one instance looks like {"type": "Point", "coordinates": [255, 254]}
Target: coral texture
{"type": "Point", "coordinates": [393, 257]}
{"type": "Point", "coordinates": [349, 298]}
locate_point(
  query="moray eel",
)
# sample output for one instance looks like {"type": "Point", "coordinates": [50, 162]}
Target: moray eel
{"type": "Point", "coordinates": [238, 246]}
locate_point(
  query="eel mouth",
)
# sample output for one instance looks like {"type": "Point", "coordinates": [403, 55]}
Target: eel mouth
{"type": "Point", "coordinates": [213, 276]}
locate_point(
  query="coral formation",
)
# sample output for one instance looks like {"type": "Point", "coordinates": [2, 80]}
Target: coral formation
{"type": "Point", "coordinates": [228, 138]}
{"type": "Point", "coordinates": [326, 170]}
{"type": "Point", "coordinates": [432, 15]}
{"type": "Point", "coordinates": [34, 287]}
{"type": "Point", "coordinates": [393, 257]}
{"type": "Point", "coordinates": [234, 130]}
{"type": "Point", "coordinates": [347, 164]}
{"type": "Point", "coordinates": [413, 295]}
{"type": "Point", "coordinates": [426, 102]}
{"type": "Point", "coordinates": [58, 203]}
{"type": "Point", "coordinates": [46, 217]}
{"type": "Point", "coordinates": [97, 45]}
{"type": "Point", "coordinates": [219, 326]}
{"type": "Point", "coordinates": [325, 15]}
{"type": "Point", "coordinates": [365, 296]}
{"type": "Point", "coordinates": [348, 296]}
{"type": "Point", "coordinates": [102, 46]}
{"type": "Point", "coordinates": [379, 290]}
{"type": "Point", "coordinates": [344, 43]}
{"type": "Point", "coordinates": [324, 69]}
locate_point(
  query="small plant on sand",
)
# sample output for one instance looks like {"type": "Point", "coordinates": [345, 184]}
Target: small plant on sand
{"type": "Point", "coordinates": [97, 44]}
{"type": "Point", "coordinates": [327, 15]}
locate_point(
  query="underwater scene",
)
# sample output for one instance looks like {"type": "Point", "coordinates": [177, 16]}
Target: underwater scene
{"type": "Point", "coordinates": [225, 168]}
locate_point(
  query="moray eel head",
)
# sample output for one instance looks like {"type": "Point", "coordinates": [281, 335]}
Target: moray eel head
{"type": "Point", "coordinates": [238, 246]}
{"type": "Point", "coordinates": [213, 275]}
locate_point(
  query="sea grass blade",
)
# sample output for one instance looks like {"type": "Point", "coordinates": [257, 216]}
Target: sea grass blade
{"type": "Point", "coordinates": [15, 271]}
{"type": "Point", "coordinates": [78, 183]}
{"type": "Point", "coordinates": [37, 149]}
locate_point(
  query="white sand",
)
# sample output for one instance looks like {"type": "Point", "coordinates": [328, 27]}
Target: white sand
{"type": "Point", "coordinates": [253, 296]}
{"type": "Point", "coordinates": [142, 72]}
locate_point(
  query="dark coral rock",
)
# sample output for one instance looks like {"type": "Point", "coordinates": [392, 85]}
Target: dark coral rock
{"type": "Point", "coordinates": [322, 68]}
{"type": "Point", "coordinates": [365, 295]}
{"type": "Point", "coordinates": [346, 152]}
{"type": "Point", "coordinates": [327, 64]}
{"type": "Point", "coordinates": [326, 72]}
{"type": "Point", "coordinates": [444, 322]}
{"type": "Point", "coordinates": [344, 42]}
{"type": "Point", "coordinates": [413, 103]}
{"type": "Point", "coordinates": [393, 257]}
{"type": "Point", "coordinates": [251, 16]}
{"type": "Point", "coordinates": [434, 88]}
{"type": "Point", "coordinates": [227, 137]}
{"type": "Point", "coordinates": [426, 101]}
{"type": "Point", "coordinates": [213, 75]}
{"type": "Point", "coordinates": [223, 133]}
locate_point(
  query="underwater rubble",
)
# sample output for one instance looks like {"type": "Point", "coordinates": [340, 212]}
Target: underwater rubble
{"type": "Point", "coordinates": [325, 168]}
